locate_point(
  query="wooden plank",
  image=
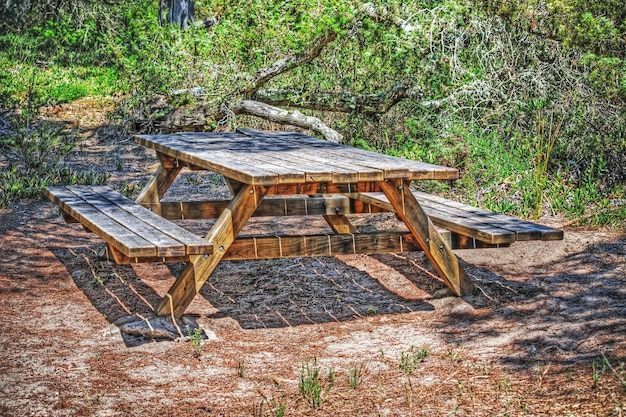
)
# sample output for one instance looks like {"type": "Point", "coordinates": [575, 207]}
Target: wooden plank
{"type": "Point", "coordinates": [221, 235]}
{"type": "Point", "coordinates": [261, 156]}
{"type": "Point", "coordinates": [192, 244]}
{"type": "Point", "coordinates": [333, 151]}
{"type": "Point", "coordinates": [435, 248]}
{"type": "Point", "coordinates": [213, 158]}
{"type": "Point", "coordinates": [96, 196]}
{"type": "Point", "coordinates": [340, 223]}
{"type": "Point", "coordinates": [294, 157]}
{"type": "Point", "coordinates": [523, 229]}
{"type": "Point", "coordinates": [324, 188]}
{"type": "Point", "coordinates": [456, 221]}
{"type": "Point", "coordinates": [471, 221]}
{"type": "Point", "coordinates": [271, 206]}
{"type": "Point", "coordinates": [277, 247]}
{"type": "Point", "coordinates": [392, 167]}
{"type": "Point", "coordinates": [301, 152]}
{"type": "Point", "coordinates": [157, 186]}
{"type": "Point", "coordinates": [99, 223]}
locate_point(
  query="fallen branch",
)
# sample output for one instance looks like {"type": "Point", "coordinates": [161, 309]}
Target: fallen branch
{"type": "Point", "coordinates": [285, 117]}
{"type": "Point", "coordinates": [336, 102]}
{"type": "Point", "coordinates": [283, 65]}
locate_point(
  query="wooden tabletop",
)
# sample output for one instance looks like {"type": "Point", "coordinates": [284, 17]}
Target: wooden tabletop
{"type": "Point", "coordinates": [268, 158]}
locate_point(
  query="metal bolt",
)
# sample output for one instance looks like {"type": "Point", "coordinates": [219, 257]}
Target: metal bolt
{"type": "Point", "coordinates": [440, 246]}
{"type": "Point", "coordinates": [400, 187]}
{"type": "Point", "coordinates": [221, 248]}
{"type": "Point", "coordinates": [252, 191]}
{"type": "Point", "coordinates": [427, 239]}
{"type": "Point", "coordinates": [206, 256]}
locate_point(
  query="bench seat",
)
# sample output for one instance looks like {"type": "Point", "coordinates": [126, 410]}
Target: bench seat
{"type": "Point", "coordinates": [126, 226]}
{"type": "Point", "coordinates": [482, 225]}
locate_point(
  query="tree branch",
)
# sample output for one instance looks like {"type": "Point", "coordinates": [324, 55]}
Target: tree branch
{"type": "Point", "coordinates": [337, 102]}
{"type": "Point", "coordinates": [283, 65]}
{"type": "Point", "coordinates": [286, 117]}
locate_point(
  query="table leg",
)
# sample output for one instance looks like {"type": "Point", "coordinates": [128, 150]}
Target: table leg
{"type": "Point", "coordinates": [435, 248]}
{"type": "Point", "coordinates": [221, 235]}
{"type": "Point", "coordinates": [157, 187]}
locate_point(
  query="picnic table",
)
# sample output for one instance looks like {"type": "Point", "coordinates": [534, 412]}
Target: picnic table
{"type": "Point", "coordinates": [284, 174]}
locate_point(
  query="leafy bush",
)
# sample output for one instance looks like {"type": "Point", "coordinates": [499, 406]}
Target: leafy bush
{"type": "Point", "coordinates": [35, 151]}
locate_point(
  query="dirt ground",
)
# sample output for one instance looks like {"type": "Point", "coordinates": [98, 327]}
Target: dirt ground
{"type": "Point", "coordinates": [545, 335]}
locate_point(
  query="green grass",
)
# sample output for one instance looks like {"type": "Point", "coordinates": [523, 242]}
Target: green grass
{"type": "Point", "coordinates": [54, 84]}
{"type": "Point", "coordinates": [314, 389]}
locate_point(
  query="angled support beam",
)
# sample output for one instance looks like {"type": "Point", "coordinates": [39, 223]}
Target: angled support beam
{"type": "Point", "coordinates": [435, 247]}
{"type": "Point", "coordinates": [159, 183]}
{"type": "Point", "coordinates": [222, 235]}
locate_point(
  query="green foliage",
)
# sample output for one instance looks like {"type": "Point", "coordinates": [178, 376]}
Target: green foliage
{"type": "Point", "coordinates": [196, 338]}
{"type": "Point", "coordinates": [313, 388]}
{"type": "Point", "coordinates": [480, 72]}
{"type": "Point", "coordinates": [35, 152]}
{"type": "Point", "coordinates": [410, 360]}
{"type": "Point", "coordinates": [355, 376]}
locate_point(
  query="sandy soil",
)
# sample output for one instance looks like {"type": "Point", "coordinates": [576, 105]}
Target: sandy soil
{"type": "Point", "coordinates": [544, 336]}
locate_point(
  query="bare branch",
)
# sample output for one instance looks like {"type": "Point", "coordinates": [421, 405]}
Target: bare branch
{"type": "Point", "coordinates": [283, 65]}
{"type": "Point", "coordinates": [290, 117]}
{"type": "Point", "coordinates": [337, 102]}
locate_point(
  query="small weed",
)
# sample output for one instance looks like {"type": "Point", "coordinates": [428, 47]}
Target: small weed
{"type": "Point", "coordinates": [598, 367]}
{"type": "Point", "coordinates": [371, 310]}
{"type": "Point", "coordinates": [409, 360]}
{"type": "Point", "coordinates": [129, 188]}
{"type": "Point", "coordinates": [540, 373]}
{"type": "Point", "coordinates": [620, 372]}
{"type": "Point", "coordinates": [455, 355]}
{"type": "Point", "coordinates": [312, 388]}
{"type": "Point", "coordinates": [195, 337]}
{"type": "Point", "coordinates": [276, 408]}
{"type": "Point", "coordinates": [522, 405]}
{"type": "Point", "coordinates": [241, 366]}
{"type": "Point", "coordinates": [545, 143]}
{"type": "Point", "coordinates": [355, 376]}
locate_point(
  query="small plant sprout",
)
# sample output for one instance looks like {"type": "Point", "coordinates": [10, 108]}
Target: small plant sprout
{"type": "Point", "coordinates": [195, 337]}
{"type": "Point", "coordinates": [618, 370]}
{"type": "Point", "coordinates": [409, 360]}
{"type": "Point", "coordinates": [598, 367]}
{"type": "Point", "coordinates": [371, 310]}
{"type": "Point", "coordinates": [455, 355]}
{"type": "Point", "coordinates": [355, 376]}
{"type": "Point", "coordinates": [276, 408]}
{"type": "Point", "coordinates": [541, 373]}
{"type": "Point", "coordinates": [241, 366]}
{"type": "Point", "coordinates": [312, 387]}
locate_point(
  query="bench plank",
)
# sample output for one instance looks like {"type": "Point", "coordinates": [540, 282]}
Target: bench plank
{"type": "Point", "coordinates": [99, 223]}
{"type": "Point", "coordinates": [523, 229]}
{"type": "Point", "coordinates": [470, 221]}
{"type": "Point", "coordinates": [194, 245]}
{"type": "Point", "coordinates": [125, 225]}
{"type": "Point", "coordinates": [163, 244]}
